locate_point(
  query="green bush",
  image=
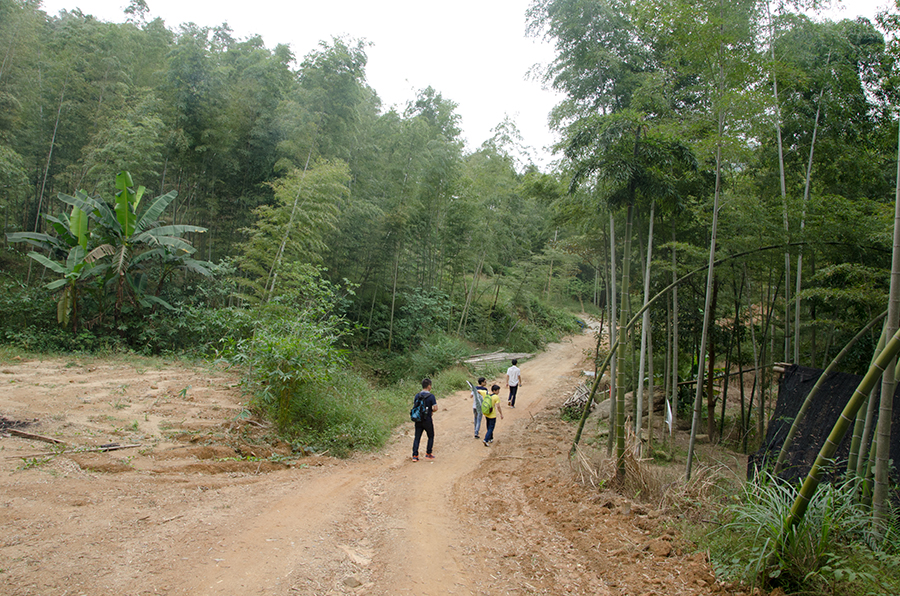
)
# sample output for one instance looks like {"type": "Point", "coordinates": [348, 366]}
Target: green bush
{"type": "Point", "coordinates": [452, 379]}
{"type": "Point", "coordinates": [297, 375]}
{"type": "Point", "coordinates": [435, 353]}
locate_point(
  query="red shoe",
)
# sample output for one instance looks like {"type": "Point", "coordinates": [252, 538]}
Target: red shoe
{"type": "Point", "coordinates": [415, 458]}
{"type": "Point", "coordinates": [429, 456]}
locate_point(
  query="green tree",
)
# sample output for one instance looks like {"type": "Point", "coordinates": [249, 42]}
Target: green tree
{"type": "Point", "coordinates": [292, 231]}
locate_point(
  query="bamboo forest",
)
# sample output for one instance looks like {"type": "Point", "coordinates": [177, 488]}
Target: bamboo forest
{"type": "Point", "coordinates": [721, 211]}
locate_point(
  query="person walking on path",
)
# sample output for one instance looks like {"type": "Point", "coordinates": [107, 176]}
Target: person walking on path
{"type": "Point", "coordinates": [478, 394]}
{"type": "Point", "coordinates": [513, 382]}
{"type": "Point", "coordinates": [490, 418]}
{"type": "Point", "coordinates": [427, 424]}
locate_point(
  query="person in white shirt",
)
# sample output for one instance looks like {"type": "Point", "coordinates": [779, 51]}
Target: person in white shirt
{"type": "Point", "coordinates": [513, 382]}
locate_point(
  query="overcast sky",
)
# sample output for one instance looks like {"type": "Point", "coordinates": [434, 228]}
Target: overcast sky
{"type": "Point", "coordinates": [473, 52]}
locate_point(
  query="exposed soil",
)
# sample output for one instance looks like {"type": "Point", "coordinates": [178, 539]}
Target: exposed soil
{"type": "Point", "coordinates": [192, 502]}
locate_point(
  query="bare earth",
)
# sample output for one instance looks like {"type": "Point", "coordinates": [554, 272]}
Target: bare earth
{"type": "Point", "coordinates": [200, 508]}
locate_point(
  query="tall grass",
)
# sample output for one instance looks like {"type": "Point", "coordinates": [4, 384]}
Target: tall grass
{"type": "Point", "coordinates": [826, 549]}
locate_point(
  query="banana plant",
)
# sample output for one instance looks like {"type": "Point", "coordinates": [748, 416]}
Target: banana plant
{"type": "Point", "coordinates": [133, 238]}
{"type": "Point", "coordinates": [118, 243]}
{"type": "Point", "coordinates": [73, 270]}
{"type": "Point", "coordinates": [71, 240]}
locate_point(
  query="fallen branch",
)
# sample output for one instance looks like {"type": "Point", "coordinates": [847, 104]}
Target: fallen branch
{"type": "Point", "coordinates": [102, 448]}
{"type": "Point", "coordinates": [25, 435]}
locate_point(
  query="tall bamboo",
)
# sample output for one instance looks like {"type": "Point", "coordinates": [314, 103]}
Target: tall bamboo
{"type": "Point", "coordinates": [885, 410]}
{"type": "Point", "coordinates": [613, 334]}
{"type": "Point", "coordinates": [620, 373]}
{"type": "Point", "coordinates": [826, 453]}
{"type": "Point", "coordinates": [707, 315]}
{"type": "Point", "coordinates": [799, 285]}
{"type": "Point", "coordinates": [674, 334]}
{"type": "Point", "coordinates": [645, 330]}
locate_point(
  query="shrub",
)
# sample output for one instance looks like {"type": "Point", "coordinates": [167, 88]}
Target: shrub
{"type": "Point", "coordinates": [298, 377]}
{"type": "Point", "coordinates": [435, 353]}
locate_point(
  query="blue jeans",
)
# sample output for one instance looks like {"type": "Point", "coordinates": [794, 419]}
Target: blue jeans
{"type": "Point", "coordinates": [489, 435]}
{"type": "Point", "coordinates": [427, 426]}
{"type": "Point", "coordinates": [477, 413]}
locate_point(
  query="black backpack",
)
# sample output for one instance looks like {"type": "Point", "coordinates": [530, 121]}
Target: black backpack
{"type": "Point", "coordinates": [419, 410]}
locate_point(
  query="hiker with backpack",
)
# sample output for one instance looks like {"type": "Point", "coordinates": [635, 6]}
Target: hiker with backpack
{"type": "Point", "coordinates": [490, 407]}
{"type": "Point", "coordinates": [424, 405]}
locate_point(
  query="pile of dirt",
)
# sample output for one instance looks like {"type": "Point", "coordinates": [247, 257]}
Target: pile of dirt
{"type": "Point", "coordinates": [552, 535]}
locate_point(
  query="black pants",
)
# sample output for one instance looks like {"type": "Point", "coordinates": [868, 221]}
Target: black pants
{"type": "Point", "coordinates": [427, 426]}
{"type": "Point", "coordinates": [512, 395]}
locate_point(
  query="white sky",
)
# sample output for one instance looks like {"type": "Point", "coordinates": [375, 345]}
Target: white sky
{"type": "Point", "coordinates": [473, 52]}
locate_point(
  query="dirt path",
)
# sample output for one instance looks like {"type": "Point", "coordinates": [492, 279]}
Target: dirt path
{"type": "Point", "coordinates": [184, 515]}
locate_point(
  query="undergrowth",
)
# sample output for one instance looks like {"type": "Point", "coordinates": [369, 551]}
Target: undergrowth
{"type": "Point", "coordinates": [741, 525]}
{"type": "Point", "coordinates": [827, 552]}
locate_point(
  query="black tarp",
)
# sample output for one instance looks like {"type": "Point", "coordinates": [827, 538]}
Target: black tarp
{"type": "Point", "coordinates": [820, 418]}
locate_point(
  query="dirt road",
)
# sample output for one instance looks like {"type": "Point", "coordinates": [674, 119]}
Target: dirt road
{"type": "Point", "coordinates": [184, 514]}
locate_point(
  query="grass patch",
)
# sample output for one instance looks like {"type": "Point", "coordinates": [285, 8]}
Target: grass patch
{"type": "Point", "coordinates": [826, 552]}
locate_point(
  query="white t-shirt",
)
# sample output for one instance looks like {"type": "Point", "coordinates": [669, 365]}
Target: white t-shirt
{"type": "Point", "coordinates": [513, 373]}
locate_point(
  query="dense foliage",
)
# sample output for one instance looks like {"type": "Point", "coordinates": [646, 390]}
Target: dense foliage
{"type": "Point", "coordinates": [299, 229]}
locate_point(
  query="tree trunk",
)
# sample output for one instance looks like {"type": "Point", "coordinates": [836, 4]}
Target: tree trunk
{"type": "Point", "coordinates": [756, 380]}
{"type": "Point", "coordinates": [799, 284]}
{"type": "Point", "coordinates": [675, 347]}
{"type": "Point", "coordinates": [40, 202]}
{"type": "Point", "coordinates": [470, 294]}
{"type": "Point", "coordinates": [711, 367]}
{"type": "Point", "coordinates": [862, 430]}
{"type": "Point", "coordinates": [613, 337]}
{"type": "Point", "coordinates": [729, 350]}
{"type": "Point", "coordinates": [620, 373]}
{"type": "Point", "coordinates": [650, 389]}
{"type": "Point", "coordinates": [707, 314]}
{"type": "Point", "coordinates": [645, 330]}
{"type": "Point", "coordinates": [865, 446]}
{"type": "Point", "coordinates": [882, 457]}
{"type": "Point", "coordinates": [781, 176]}
{"type": "Point", "coordinates": [393, 298]}
{"type": "Point", "coordinates": [667, 368]}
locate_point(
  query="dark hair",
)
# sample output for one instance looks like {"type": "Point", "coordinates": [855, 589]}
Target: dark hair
{"type": "Point", "coordinates": [515, 361]}
{"type": "Point", "coordinates": [481, 380]}
{"type": "Point", "coordinates": [495, 387]}
{"type": "Point", "coordinates": [426, 383]}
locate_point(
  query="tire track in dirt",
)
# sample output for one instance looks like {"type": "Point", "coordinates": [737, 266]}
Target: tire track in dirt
{"type": "Point", "coordinates": [382, 523]}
